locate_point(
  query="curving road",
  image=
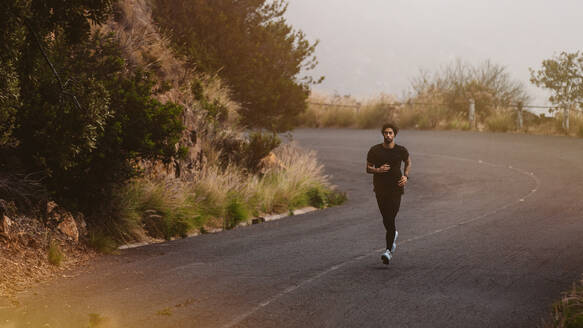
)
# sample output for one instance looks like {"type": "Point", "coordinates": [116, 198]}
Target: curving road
{"type": "Point", "coordinates": [490, 231]}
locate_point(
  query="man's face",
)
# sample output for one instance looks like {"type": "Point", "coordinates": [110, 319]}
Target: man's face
{"type": "Point", "coordinates": [389, 135]}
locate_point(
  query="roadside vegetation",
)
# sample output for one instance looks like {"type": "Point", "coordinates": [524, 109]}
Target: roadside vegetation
{"type": "Point", "coordinates": [122, 121]}
{"type": "Point", "coordinates": [221, 198]}
{"type": "Point", "coordinates": [441, 101]}
{"type": "Point", "coordinates": [568, 312]}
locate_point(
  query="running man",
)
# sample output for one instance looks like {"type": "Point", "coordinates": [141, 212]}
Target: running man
{"type": "Point", "coordinates": [384, 162]}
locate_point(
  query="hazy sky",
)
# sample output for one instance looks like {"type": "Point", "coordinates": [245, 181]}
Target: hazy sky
{"type": "Point", "coordinates": [372, 46]}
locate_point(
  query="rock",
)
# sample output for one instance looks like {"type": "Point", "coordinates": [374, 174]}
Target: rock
{"type": "Point", "coordinates": [258, 220]}
{"type": "Point", "coordinates": [154, 225]}
{"type": "Point", "coordinates": [81, 224]}
{"type": "Point", "coordinates": [68, 226]}
{"type": "Point", "coordinates": [269, 162]}
{"type": "Point", "coordinates": [65, 222]}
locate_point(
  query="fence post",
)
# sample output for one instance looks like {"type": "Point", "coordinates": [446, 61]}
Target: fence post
{"type": "Point", "coordinates": [519, 108]}
{"type": "Point", "coordinates": [566, 119]}
{"type": "Point", "coordinates": [472, 113]}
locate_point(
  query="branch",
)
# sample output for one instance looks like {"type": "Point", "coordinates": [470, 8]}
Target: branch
{"type": "Point", "coordinates": [55, 73]}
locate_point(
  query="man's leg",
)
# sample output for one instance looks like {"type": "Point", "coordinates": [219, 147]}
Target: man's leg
{"type": "Point", "coordinates": [389, 205]}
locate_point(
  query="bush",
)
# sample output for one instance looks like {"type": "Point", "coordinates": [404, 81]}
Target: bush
{"type": "Point", "coordinates": [222, 197]}
{"type": "Point", "coordinates": [458, 124]}
{"type": "Point", "coordinates": [85, 144]}
{"type": "Point", "coordinates": [317, 197]}
{"type": "Point", "coordinates": [55, 255]}
{"type": "Point", "coordinates": [258, 146]}
{"type": "Point", "coordinates": [335, 198]}
{"type": "Point", "coordinates": [339, 117]}
{"type": "Point", "coordinates": [408, 117]}
{"type": "Point", "coordinates": [162, 207]}
{"type": "Point", "coordinates": [235, 213]}
{"type": "Point", "coordinates": [102, 242]}
{"type": "Point", "coordinates": [568, 312]}
{"type": "Point", "coordinates": [500, 122]}
{"type": "Point", "coordinates": [370, 116]}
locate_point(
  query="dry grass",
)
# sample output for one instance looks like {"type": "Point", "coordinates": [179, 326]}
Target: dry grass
{"type": "Point", "coordinates": [219, 198]}
{"type": "Point", "coordinates": [426, 113]}
{"type": "Point", "coordinates": [346, 112]}
{"type": "Point", "coordinates": [501, 121]}
{"type": "Point", "coordinates": [24, 259]}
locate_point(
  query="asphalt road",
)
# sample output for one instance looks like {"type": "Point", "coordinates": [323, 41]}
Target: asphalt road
{"type": "Point", "coordinates": [490, 233]}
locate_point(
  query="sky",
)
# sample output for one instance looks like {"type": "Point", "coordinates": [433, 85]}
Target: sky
{"type": "Point", "coordinates": [368, 47]}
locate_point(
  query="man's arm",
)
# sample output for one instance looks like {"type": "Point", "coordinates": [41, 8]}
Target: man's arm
{"type": "Point", "coordinates": [405, 177]}
{"type": "Point", "coordinates": [407, 166]}
{"type": "Point", "coordinates": [382, 169]}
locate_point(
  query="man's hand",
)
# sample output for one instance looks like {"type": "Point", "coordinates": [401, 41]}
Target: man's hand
{"type": "Point", "coordinates": [403, 181]}
{"type": "Point", "coordinates": [384, 168]}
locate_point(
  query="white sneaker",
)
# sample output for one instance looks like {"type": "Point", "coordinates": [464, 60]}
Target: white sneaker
{"type": "Point", "coordinates": [395, 242]}
{"type": "Point", "coordinates": [386, 256]}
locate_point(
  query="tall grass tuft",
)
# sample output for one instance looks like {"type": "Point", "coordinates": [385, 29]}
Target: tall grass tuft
{"type": "Point", "coordinates": [55, 254]}
{"type": "Point", "coordinates": [102, 242]}
{"type": "Point", "coordinates": [500, 122]}
{"type": "Point", "coordinates": [224, 197]}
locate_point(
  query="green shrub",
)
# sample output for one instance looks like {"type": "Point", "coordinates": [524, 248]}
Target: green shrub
{"type": "Point", "coordinates": [163, 208]}
{"type": "Point", "coordinates": [235, 213]}
{"type": "Point", "coordinates": [55, 255]}
{"type": "Point", "coordinates": [335, 198]}
{"type": "Point", "coordinates": [258, 146]}
{"type": "Point", "coordinates": [568, 312]}
{"type": "Point", "coordinates": [102, 242]}
{"type": "Point", "coordinates": [84, 141]}
{"type": "Point", "coordinates": [317, 197]}
{"type": "Point", "coordinates": [252, 47]}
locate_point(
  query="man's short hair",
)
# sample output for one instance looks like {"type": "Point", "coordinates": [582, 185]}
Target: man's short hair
{"type": "Point", "coordinates": [392, 126]}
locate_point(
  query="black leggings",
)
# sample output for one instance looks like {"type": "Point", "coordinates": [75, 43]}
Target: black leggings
{"type": "Point", "coordinates": [389, 204]}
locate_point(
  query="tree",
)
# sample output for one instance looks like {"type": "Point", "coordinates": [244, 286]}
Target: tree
{"type": "Point", "coordinates": [489, 84]}
{"type": "Point", "coordinates": [70, 107]}
{"type": "Point", "coordinates": [563, 76]}
{"type": "Point", "coordinates": [27, 28]}
{"type": "Point", "coordinates": [250, 45]}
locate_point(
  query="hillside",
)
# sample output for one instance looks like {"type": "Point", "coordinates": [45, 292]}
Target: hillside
{"type": "Point", "coordinates": [119, 138]}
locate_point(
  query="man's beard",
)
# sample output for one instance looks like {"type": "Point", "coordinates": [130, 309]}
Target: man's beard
{"type": "Point", "coordinates": [388, 141]}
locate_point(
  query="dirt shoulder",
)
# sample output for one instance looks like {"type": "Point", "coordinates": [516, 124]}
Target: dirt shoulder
{"type": "Point", "coordinates": [27, 247]}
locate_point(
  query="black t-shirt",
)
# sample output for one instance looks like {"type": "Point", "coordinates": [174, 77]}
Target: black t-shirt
{"type": "Point", "coordinates": [379, 155]}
